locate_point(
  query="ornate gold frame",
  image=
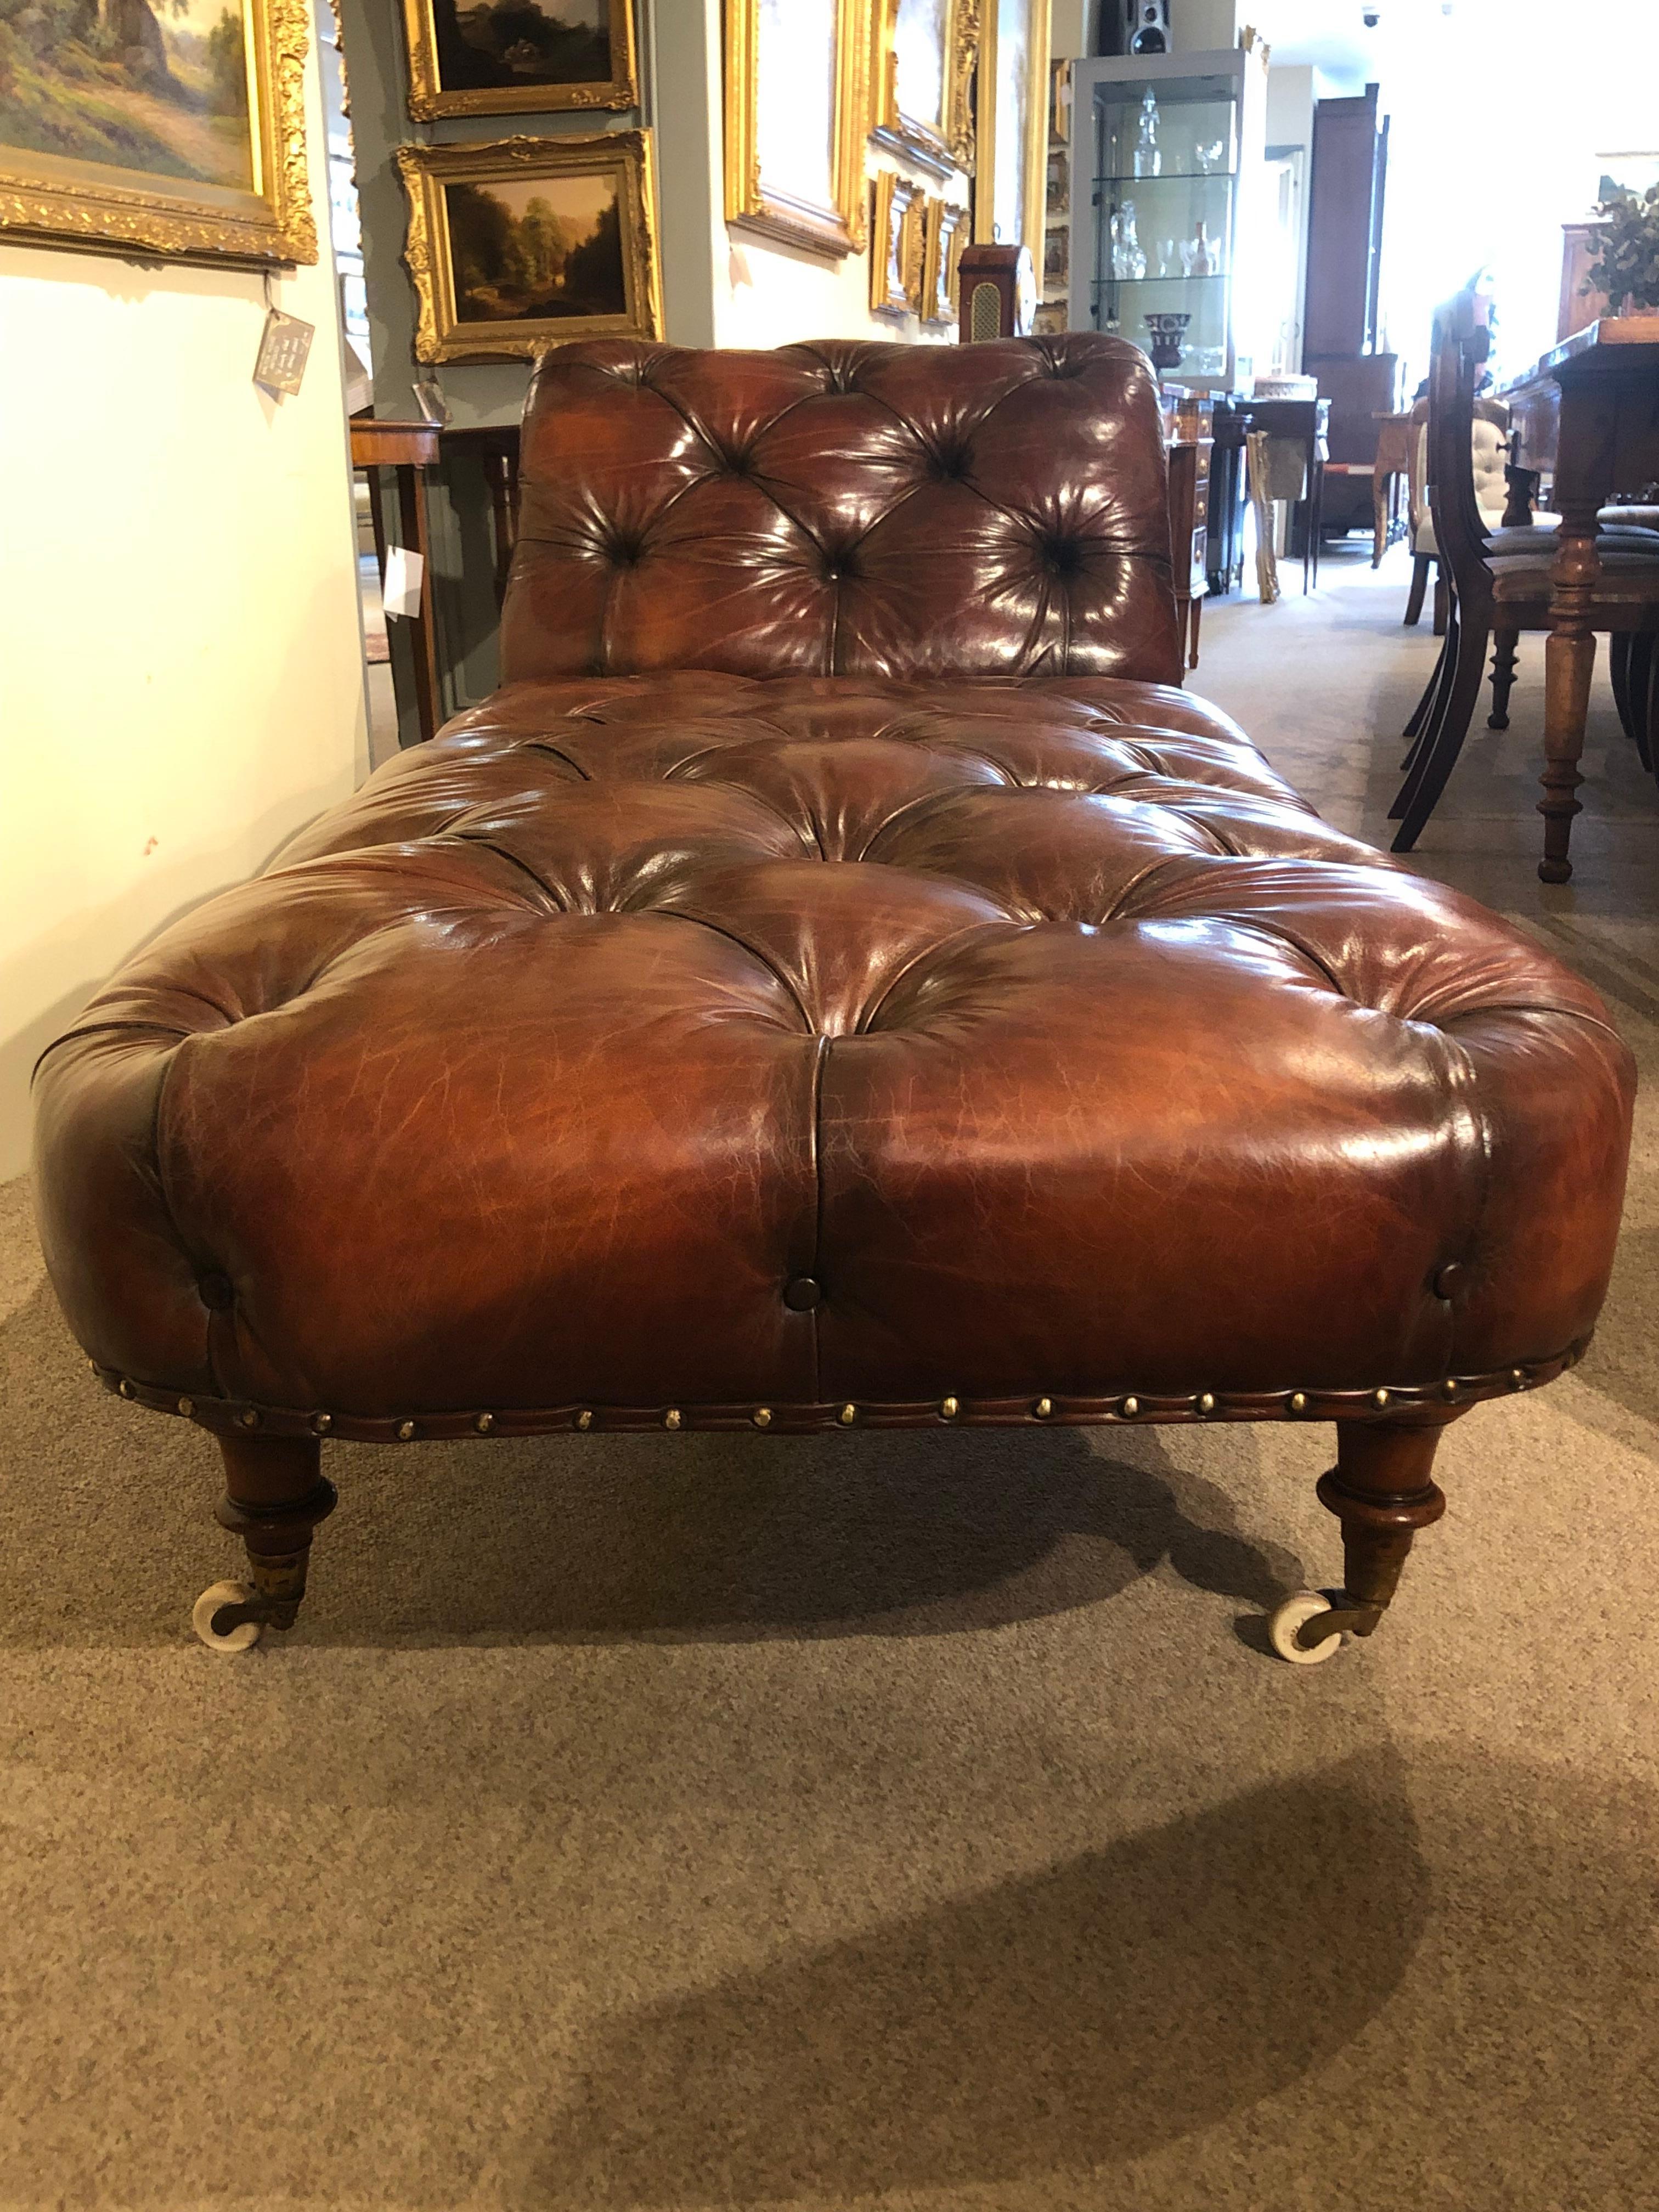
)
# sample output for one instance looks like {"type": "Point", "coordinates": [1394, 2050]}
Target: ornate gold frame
{"type": "Point", "coordinates": [428, 100]}
{"type": "Point", "coordinates": [944, 233]}
{"type": "Point", "coordinates": [439, 336]}
{"type": "Point", "coordinates": [750, 201]}
{"type": "Point", "coordinates": [1034, 155]}
{"type": "Point", "coordinates": [896, 245]}
{"type": "Point", "coordinates": [948, 144]}
{"type": "Point", "coordinates": [47, 200]}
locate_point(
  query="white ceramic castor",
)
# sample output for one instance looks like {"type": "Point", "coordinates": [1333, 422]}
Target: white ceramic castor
{"type": "Point", "coordinates": [1283, 1624]}
{"type": "Point", "coordinates": [247, 1634]}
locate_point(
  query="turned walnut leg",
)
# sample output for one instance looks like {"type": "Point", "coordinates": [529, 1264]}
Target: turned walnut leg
{"type": "Point", "coordinates": [1382, 1491]}
{"type": "Point", "coordinates": [1568, 663]}
{"type": "Point", "coordinates": [1505, 642]}
{"type": "Point", "coordinates": [274, 1495]}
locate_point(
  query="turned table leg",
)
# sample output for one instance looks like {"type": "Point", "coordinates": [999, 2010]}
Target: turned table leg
{"type": "Point", "coordinates": [1383, 1491]}
{"type": "Point", "coordinates": [274, 1495]}
{"type": "Point", "coordinates": [1568, 663]}
{"type": "Point", "coordinates": [1583, 470]}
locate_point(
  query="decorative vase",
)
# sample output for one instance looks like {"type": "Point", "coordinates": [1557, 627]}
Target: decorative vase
{"type": "Point", "coordinates": [1149, 162]}
{"type": "Point", "coordinates": [1129, 261]}
{"type": "Point", "coordinates": [1168, 331]}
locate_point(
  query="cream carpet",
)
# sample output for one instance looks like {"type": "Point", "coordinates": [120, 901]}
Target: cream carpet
{"type": "Point", "coordinates": [911, 1822]}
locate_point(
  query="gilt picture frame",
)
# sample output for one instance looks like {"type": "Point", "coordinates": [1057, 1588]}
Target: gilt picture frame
{"type": "Point", "coordinates": [921, 71]}
{"type": "Point", "coordinates": [944, 233]}
{"type": "Point", "coordinates": [175, 130]}
{"type": "Point", "coordinates": [515, 245]}
{"type": "Point", "coordinates": [1013, 128]}
{"type": "Point", "coordinates": [896, 244]}
{"type": "Point", "coordinates": [797, 116]}
{"type": "Point", "coordinates": [519, 57]}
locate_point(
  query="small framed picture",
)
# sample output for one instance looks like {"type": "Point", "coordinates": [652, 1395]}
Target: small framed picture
{"type": "Point", "coordinates": [519, 57]}
{"type": "Point", "coordinates": [896, 246]}
{"type": "Point", "coordinates": [519, 244]}
{"type": "Point", "coordinates": [944, 233]}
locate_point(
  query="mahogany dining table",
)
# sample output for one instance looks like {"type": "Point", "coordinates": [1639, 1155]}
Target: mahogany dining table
{"type": "Point", "coordinates": [1588, 414]}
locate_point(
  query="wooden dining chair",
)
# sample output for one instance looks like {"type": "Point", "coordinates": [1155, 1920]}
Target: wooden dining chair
{"type": "Point", "coordinates": [1499, 583]}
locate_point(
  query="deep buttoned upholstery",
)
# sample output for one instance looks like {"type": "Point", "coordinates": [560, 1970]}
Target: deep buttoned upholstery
{"type": "Point", "coordinates": [844, 510]}
{"type": "Point", "coordinates": [901, 1007]}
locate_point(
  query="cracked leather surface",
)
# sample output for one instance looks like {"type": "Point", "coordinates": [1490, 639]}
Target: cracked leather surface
{"type": "Point", "coordinates": [1000, 1006]}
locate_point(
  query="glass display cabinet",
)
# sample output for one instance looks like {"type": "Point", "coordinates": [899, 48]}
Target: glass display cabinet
{"type": "Point", "coordinates": [1168, 177]}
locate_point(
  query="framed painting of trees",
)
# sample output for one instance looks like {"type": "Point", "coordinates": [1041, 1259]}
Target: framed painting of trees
{"type": "Point", "coordinates": [156, 126]}
{"type": "Point", "coordinates": [521, 243]}
{"type": "Point", "coordinates": [516, 57]}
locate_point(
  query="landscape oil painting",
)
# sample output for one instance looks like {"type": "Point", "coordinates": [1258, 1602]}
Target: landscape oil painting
{"type": "Point", "coordinates": [517, 246]}
{"type": "Point", "coordinates": [167, 125]}
{"type": "Point", "coordinates": [501, 56]}
{"type": "Point", "coordinates": [159, 89]}
{"type": "Point", "coordinates": [527, 247]}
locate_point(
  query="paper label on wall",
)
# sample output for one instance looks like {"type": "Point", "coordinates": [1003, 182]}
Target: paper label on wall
{"type": "Point", "coordinates": [401, 591]}
{"type": "Point", "coordinates": [283, 353]}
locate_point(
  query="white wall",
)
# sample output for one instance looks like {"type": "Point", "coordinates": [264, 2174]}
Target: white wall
{"type": "Point", "coordinates": [181, 676]}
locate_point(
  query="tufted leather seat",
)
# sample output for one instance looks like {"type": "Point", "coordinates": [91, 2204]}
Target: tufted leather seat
{"type": "Point", "coordinates": [838, 978]}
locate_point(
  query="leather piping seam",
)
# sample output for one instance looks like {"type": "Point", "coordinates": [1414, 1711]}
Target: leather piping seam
{"type": "Point", "coordinates": [210, 1365]}
{"type": "Point", "coordinates": [102, 1028]}
{"type": "Point", "coordinates": [820, 1067]}
{"type": "Point", "coordinates": [1469, 1085]}
{"type": "Point", "coordinates": [1533, 1006]}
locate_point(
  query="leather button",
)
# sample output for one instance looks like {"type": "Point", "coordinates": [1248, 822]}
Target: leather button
{"type": "Point", "coordinates": [802, 1294]}
{"type": "Point", "coordinates": [216, 1291]}
{"type": "Point", "coordinates": [1449, 1279]}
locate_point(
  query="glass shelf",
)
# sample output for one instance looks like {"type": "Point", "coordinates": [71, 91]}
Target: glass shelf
{"type": "Point", "coordinates": [1099, 284]}
{"type": "Point", "coordinates": [1175, 177]}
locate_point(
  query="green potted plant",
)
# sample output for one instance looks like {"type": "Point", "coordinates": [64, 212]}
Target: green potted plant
{"type": "Point", "coordinates": [1625, 252]}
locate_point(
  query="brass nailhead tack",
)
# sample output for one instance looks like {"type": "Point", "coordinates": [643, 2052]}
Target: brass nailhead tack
{"type": "Point", "coordinates": [949, 1407]}
{"type": "Point", "coordinates": [1449, 1389]}
{"type": "Point", "coordinates": [484, 1424]}
{"type": "Point", "coordinates": [92, 1366]}
{"type": "Point", "coordinates": [1518, 1377]}
{"type": "Point", "coordinates": [1043, 1408]}
{"type": "Point", "coordinates": [1298, 1402]}
{"type": "Point", "coordinates": [761, 1417]}
{"type": "Point", "coordinates": [671, 1419]}
{"type": "Point", "coordinates": [322, 1423]}
{"type": "Point", "coordinates": [1206, 1402]}
{"type": "Point", "coordinates": [406, 1430]}
{"type": "Point", "coordinates": [584, 1419]}
{"type": "Point", "coordinates": [187, 1406]}
{"type": "Point", "coordinates": [125, 1387]}
{"type": "Point", "coordinates": [249, 1417]}
{"type": "Point", "coordinates": [848, 1415]}
{"type": "Point", "coordinates": [1379, 1399]}
{"type": "Point", "coordinates": [1131, 1407]}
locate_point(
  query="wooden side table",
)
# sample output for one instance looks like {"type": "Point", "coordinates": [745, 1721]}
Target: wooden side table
{"type": "Point", "coordinates": [1307, 423]}
{"type": "Point", "coordinates": [1188, 425]}
{"type": "Point", "coordinates": [408, 449]}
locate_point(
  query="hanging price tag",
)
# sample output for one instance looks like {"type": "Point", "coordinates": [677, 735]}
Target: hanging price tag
{"type": "Point", "coordinates": [283, 352]}
{"type": "Point", "coordinates": [400, 594]}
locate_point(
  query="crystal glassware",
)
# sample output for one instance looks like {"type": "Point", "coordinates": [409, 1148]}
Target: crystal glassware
{"type": "Point", "coordinates": [1149, 162]}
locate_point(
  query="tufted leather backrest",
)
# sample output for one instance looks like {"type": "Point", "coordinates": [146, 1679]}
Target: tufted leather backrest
{"type": "Point", "coordinates": [839, 509]}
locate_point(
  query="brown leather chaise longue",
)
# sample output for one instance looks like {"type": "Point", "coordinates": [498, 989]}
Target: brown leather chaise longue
{"type": "Point", "coordinates": [837, 981]}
